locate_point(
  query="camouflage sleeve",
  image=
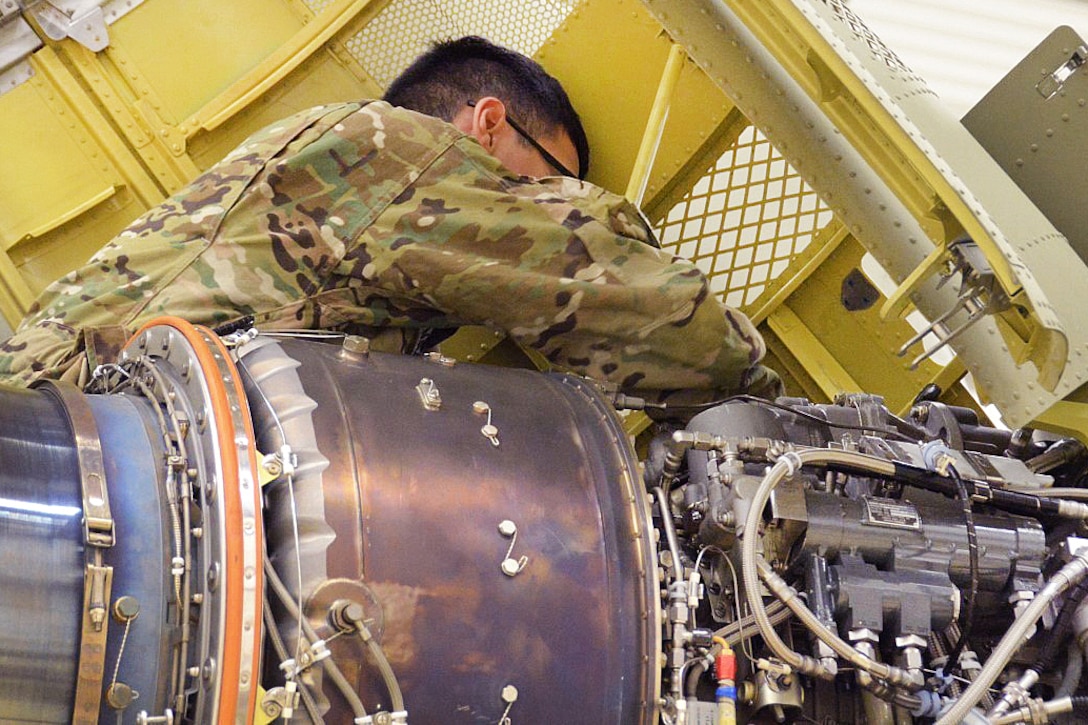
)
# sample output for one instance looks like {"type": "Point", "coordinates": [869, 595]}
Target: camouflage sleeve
{"type": "Point", "coordinates": [563, 267]}
{"type": "Point", "coordinates": [171, 260]}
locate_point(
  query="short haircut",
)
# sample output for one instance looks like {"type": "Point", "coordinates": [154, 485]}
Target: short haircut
{"type": "Point", "coordinates": [444, 79]}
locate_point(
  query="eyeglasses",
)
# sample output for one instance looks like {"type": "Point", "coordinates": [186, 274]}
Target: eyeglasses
{"type": "Point", "coordinates": [544, 153]}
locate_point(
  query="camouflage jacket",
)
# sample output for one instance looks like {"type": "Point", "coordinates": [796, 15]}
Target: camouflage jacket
{"type": "Point", "coordinates": [379, 221]}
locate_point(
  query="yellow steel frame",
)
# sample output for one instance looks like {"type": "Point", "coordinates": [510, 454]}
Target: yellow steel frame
{"type": "Point", "coordinates": [117, 147]}
{"type": "Point", "coordinates": [657, 140]}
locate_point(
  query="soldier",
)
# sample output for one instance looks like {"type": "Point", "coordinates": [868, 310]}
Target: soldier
{"type": "Point", "coordinates": [400, 225]}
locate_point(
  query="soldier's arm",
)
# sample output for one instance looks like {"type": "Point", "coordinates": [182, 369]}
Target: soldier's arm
{"type": "Point", "coordinates": [567, 272]}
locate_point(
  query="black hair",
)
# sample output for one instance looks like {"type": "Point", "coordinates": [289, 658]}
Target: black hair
{"type": "Point", "coordinates": [453, 72]}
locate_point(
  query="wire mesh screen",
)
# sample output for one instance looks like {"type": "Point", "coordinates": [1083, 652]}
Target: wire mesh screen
{"type": "Point", "coordinates": [406, 28]}
{"type": "Point", "coordinates": [744, 220]}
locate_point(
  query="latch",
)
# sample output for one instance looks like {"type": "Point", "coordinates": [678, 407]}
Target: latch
{"type": "Point", "coordinates": [1053, 82]}
{"type": "Point", "coordinates": [84, 21]}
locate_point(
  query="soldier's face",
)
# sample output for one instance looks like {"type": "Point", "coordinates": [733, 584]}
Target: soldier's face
{"type": "Point", "coordinates": [524, 159]}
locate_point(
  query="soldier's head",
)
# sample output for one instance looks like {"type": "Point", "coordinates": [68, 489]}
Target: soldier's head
{"type": "Point", "coordinates": [520, 114]}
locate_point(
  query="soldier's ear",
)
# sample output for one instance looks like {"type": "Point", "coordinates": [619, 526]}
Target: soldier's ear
{"type": "Point", "coordinates": [488, 119]}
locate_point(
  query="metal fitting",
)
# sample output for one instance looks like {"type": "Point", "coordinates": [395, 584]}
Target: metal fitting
{"type": "Point", "coordinates": [1021, 600]}
{"type": "Point", "coordinates": [1015, 694]}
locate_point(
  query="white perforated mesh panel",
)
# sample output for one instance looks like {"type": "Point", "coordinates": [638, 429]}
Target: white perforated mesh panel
{"type": "Point", "coordinates": [744, 220]}
{"type": "Point", "coordinates": [405, 28]}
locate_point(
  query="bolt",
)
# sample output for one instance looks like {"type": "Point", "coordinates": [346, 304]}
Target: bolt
{"type": "Point", "coordinates": [356, 345]}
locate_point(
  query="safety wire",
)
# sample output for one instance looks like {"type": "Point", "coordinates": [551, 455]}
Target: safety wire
{"type": "Point", "coordinates": [281, 652]}
{"type": "Point", "coordinates": [288, 469]}
{"type": "Point", "coordinates": [738, 601]}
{"type": "Point", "coordinates": [295, 605]}
{"type": "Point", "coordinates": [181, 566]}
{"type": "Point", "coordinates": [120, 653]}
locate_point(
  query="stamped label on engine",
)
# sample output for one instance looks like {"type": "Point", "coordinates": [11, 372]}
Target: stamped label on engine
{"type": "Point", "coordinates": [891, 513]}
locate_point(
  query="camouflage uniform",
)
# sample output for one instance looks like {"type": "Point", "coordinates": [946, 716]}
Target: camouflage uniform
{"type": "Point", "coordinates": [379, 221]}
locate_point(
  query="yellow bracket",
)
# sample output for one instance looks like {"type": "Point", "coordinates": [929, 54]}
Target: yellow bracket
{"type": "Point", "coordinates": [265, 474]}
{"type": "Point", "coordinates": [72, 213]}
{"type": "Point", "coordinates": [898, 300]}
{"type": "Point", "coordinates": [1066, 417]}
{"type": "Point", "coordinates": [636, 422]}
{"type": "Point", "coordinates": [260, 717]}
{"type": "Point", "coordinates": [15, 295]}
{"type": "Point", "coordinates": [310, 39]}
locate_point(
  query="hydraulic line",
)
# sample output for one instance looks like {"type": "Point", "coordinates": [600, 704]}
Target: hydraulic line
{"type": "Point", "coordinates": [1057, 706]}
{"type": "Point", "coordinates": [893, 675]}
{"type": "Point", "coordinates": [972, 591]}
{"type": "Point", "coordinates": [754, 568]}
{"type": "Point", "coordinates": [1057, 638]}
{"type": "Point", "coordinates": [1074, 668]}
{"type": "Point", "coordinates": [281, 652]}
{"type": "Point", "coordinates": [1059, 633]}
{"type": "Point", "coordinates": [670, 533]}
{"type": "Point", "coordinates": [1058, 492]}
{"type": "Point", "coordinates": [733, 634]}
{"type": "Point", "coordinates": [736, 632]}
{"type": "Point", "coordinates": [1034, 504]}
{"type": "Point", "coordinates": [1069, 575]}
{"type": "Point", "coordinates": [384, 668]}
{"type": "Point", "coordinates": [330, 667]}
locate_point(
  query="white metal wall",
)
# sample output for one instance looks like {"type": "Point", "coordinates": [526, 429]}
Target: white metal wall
{"type": "Point", "coordinates": [964, 47]}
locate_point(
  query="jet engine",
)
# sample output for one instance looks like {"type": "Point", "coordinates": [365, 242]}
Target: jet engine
{"type": "Point", "coordinates": [248, 527]}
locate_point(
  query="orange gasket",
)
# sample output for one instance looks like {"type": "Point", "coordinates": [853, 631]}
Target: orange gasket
{"type": "Point", "coordinates": [203, 340]}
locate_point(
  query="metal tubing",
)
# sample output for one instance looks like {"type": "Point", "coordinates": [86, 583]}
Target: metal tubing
{"type": "Point", "coordinates": [655, 126]}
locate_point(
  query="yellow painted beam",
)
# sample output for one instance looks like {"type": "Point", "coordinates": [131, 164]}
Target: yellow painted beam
{"type": "Point", "coordinates": [273, 69]}
{"type": "Point", "coordinates": [820, 364]}
{"type": "Point", "coordinates": [801, 268]}
{"type": "Point", "coordinates": [1066, 417]}
{"type": "Point", "coordinates": [610, 55]}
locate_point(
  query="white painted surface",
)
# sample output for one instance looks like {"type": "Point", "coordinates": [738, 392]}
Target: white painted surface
{"type": "Point", "coordinates": [963, 48]}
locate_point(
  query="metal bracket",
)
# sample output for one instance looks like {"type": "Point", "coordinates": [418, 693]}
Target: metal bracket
{"type": "Point", "coordinates": [97, 586]}
{"type": "Point", "coordinates": [17, 42]}
{"type": "Point", "coordinates": [278, 700]}
{"type": "Point", "coordinates": [84, 21]}
{"type": "Point", "coordinates": [429, 394]}
{"type": "Point", "coordinates": [980, 294]}
{"type": "Point", "coordinates": [98, 527]}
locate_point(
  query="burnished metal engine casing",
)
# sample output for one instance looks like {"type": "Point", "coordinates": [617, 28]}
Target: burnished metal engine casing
{"type": "Point", "coordinates": [405, 504]}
